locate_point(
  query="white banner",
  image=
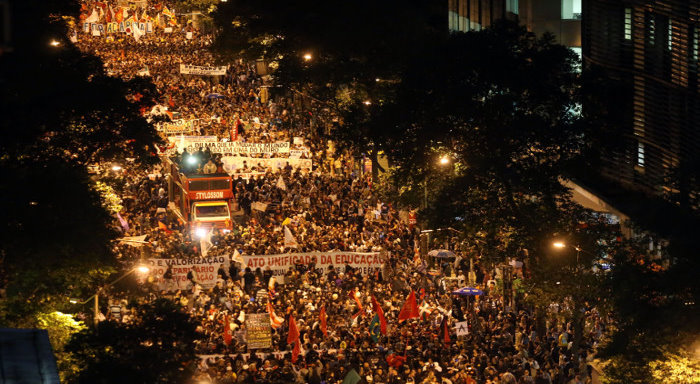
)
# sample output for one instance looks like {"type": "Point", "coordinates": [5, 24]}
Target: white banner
{"type": "Point", "coordinates": [300, 153]}
{"type": "Point", "coordinates": [367, 262]}
{"type": "Point", "coordinates": [234, 165]}
{"type": "Point", "coordinates": [187, 139]}
{"type": "Point", "coordinates": [237, 147]}
{"type": "Point", "coordinates": [187, 69]}
{"type": "Point", "coordinates": [204, 271]}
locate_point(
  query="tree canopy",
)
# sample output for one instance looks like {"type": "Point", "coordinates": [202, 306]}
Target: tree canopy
{"type": "Point", "coordinates": [59, 112]}
{"type": "Point", "coordinates": [156, 347]}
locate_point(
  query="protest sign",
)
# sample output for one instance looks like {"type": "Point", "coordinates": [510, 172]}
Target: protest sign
{"type": "Point", "coordinates": [258, 330]}
{"type": "Point", "coordinates": [187, 69]}
{"type": "Point", "coordinates": [234, 165]}
{"type": "Point", "coordinates": [178, 126]}
{"type": "Point", "coordinates": [366, 262]}
{"type": "Point", "coordinates": [238, 147]}
{"type": "Point", "coordinates": [462, 328]}
{"type": "Point", "coordinates": [203, 270]}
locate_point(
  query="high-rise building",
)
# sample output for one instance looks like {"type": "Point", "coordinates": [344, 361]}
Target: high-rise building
{"type": "Point", "coordinates": [559, 17]}
{"type": "Point", "coordinates": [652, 48]}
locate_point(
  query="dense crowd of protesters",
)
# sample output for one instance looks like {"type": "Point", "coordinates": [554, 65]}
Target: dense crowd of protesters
{"type": "Point", "coordinates": [330, 207]}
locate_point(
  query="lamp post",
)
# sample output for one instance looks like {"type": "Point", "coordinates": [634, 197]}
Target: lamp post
{"type": "Point", "coordinates": [444, 160]}
{"type": "Point", "coordinates": [562, 245]}
{"type": "Point", "coordinates": [140, 269]}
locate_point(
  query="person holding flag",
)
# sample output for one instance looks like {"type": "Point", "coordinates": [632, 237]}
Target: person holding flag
{"type": "Point", "coordinates": [293, 338]}
{"type": "Point", "coordinates": [380, 315]}
{"type": "Point", "coordinates": [409, 309]}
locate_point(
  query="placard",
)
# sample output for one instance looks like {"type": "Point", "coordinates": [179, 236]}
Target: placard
{"type": "Point", "coordinates": [258, 330]}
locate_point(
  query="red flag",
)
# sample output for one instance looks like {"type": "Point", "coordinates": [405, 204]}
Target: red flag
{"type": "Point", "coordinates": [380, 313]}
{"type": "Point", "coordinates": [409, 309]}
{"type": "Point", "coordinates": [324, 325]}
{"type": "Point", "coordinates": [445, 331]}
{"type": "Point", "coordinates": [227, 331]}
{"type": "Point", "coordinates": [395, 360]}
{"type": "Point", "coordinates": [119, 16]}
{"type": "Point", "coordinates": [295, 351]}
{"type": "Point", "coordinates": [293, 334]}
{"type": "Point", "coordinates": [164, 227]}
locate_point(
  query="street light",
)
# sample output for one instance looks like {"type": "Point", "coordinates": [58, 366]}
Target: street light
{"type": "Point", "coordinates": [307, 57]}
{"type": "Point", "coordinates": [366, 102]}
{"type": "Point", "coordinates": [561, 245]}
{"type": "Point", "coordinates": [55, 43]}
{"type": "Point", "coordinates": [140, 269]}
{"type": "Point", "coordinates": [444, 160]}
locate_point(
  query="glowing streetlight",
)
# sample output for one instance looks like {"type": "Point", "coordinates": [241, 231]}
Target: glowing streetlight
{"type": "Point", "coordinates": [367, 102]}
{"type": "Point", "coordinates": [55, 43]}
{"type": "Point", "coordinates": [444, 160]}
{"type": "Point", "coordinates": [141, 269]}
{"type": "Point", "coordinates": [559, 244]}
{"type": "Point", "coordinates": [307, 57]}
{"type": "Point", "coordinates": [116, 168]}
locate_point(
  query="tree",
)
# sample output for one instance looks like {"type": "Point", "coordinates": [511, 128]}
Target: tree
{"type": "Point", "coordinates": [61, 327]}
{"type": "Point", "coordinates": [505, 118]}
{"type": "Point", "coordinates": [158, 346]}
{"type": "Point", "coordinates": [655, 332]}
{"type": "Point", "coordinates": [59, 112]}
{"type": "Point", "coordinates": [308, 44]}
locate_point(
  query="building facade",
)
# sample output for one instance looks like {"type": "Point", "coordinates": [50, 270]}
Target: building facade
{"type": "Point", "coordinates": [651, 47]}
{"type": "Point", "coordinates": [559, 17]}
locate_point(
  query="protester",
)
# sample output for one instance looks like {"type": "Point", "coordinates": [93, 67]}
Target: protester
{"type": "Point", "coordinates": [325, 207]}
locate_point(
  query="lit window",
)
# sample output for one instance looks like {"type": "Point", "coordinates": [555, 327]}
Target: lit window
{"type": "Point", "coordinates": [571, 9]}
{"type": "Point", "coordinates": [696, 37]}
{"type": "Point", "coordinates": [652, 30]}
{"type": "Point", "coordinates": [628, 23]}
{"type": "Point", "coordinates": [579, 53]}
{"type": "Point", "coordinates": [670, 33]}
{"type": "Point", "coordinates": [640, 154]}
{"type": "Point", "coordinates": [512, 6]}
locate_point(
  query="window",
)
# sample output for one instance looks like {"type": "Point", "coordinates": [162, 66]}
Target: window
{"type": "Point", "coordinates": [694, 47]}
{"type": "Point", "coordinates": [579, 53]}
{"type": "Point", "coordinates": [652, 30]}
{"type": "Point", "coordinates": [640, 154]}
{"type": "Point", "coordinates": [452, 16]}
{"type": "Point", "coordinates": [628, 23]}
{"type": "Point", "coordinates": [571, 9]}
{"type": "Point", "coordinates": [670, 33]}
{"type": "Point", "coordinates": [512, 6]}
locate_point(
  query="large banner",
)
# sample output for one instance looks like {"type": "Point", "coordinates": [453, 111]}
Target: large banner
{"type": "Point", "coordinates": [234, 165]}
{"type": "Point", "coordinates": [258, 330]}
{"type": "Point", "coordinates": [203, 270]}
{"type": "Point", "coordinates": [187, 69]}
{"type": "Point", "coordinates": [237, 147]}
{"type": "Point", "coordinates": [367, 262]}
